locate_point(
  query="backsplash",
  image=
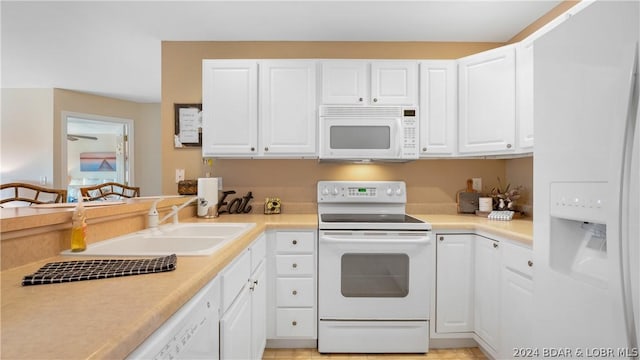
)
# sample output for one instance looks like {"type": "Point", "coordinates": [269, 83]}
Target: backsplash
{"type": "Point", "coordinates": [432, 185]}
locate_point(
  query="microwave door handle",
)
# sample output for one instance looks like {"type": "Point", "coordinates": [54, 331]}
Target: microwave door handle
{"type": "Point", "coordinates": [399, 140]}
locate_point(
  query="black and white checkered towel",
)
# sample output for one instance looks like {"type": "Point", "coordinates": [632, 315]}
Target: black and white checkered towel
{"type": "Point", "coordinates": [67, 271]}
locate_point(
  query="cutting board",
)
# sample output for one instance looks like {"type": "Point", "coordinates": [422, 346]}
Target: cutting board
{"type": "Point", "coordinates": [468, 199]}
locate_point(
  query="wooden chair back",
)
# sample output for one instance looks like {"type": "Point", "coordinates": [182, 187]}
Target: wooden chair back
{"type": "Point", "coordinates": [31, 194]}
{"type": "Point", "coordinates": [109, 191]}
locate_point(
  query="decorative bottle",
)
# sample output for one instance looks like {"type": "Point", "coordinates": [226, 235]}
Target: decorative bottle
{"type": "Point", "coordinates": [79, 228]}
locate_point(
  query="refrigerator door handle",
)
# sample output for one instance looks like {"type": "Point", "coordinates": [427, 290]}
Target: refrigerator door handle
{"type": "Point", "coordinates": [627, 184]}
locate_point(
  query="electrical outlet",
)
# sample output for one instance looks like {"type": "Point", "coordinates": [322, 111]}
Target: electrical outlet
{"type": "Point", "coordinates": [179, 175]}
{"type": "Point", "coordinates": [477, 184]}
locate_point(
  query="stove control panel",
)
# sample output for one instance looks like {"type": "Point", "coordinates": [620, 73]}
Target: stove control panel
{"type": "Point", "coordinates": [362, 191]}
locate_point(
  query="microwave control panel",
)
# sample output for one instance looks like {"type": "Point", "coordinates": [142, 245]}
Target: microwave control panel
{"type": "Point", "coordinates": [410, 133]}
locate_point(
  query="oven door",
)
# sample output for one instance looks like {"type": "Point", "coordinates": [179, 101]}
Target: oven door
{"type": "Point", "coordinates": [356, 138]}
{"type": "Point", "coordinates": [374, 275]}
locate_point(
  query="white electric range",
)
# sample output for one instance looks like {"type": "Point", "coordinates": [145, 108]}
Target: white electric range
{"type": "Point", "coordinates": [374, 269]}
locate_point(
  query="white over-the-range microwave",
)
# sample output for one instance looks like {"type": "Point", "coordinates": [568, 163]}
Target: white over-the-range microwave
{"type": "Point", "coordinates": [377, 133]}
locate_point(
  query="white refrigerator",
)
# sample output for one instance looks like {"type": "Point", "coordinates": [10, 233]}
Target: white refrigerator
{"type": "Point", "coordinates": [586, 180]}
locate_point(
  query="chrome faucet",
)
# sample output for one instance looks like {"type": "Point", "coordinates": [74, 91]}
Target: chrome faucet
{"type": "Point", "coordinates": [153, 212]}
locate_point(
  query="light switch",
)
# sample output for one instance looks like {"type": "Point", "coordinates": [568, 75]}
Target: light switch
{"type": "Point", "coordinates": [179, 175]}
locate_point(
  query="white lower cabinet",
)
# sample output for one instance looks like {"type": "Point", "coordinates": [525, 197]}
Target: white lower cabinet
{"type": "Point", "coordinates": [292, 309]}
{"type": "Point", "coordinates": [516, 299]}
{"type": "Point", "coordinates": [243, 321]}
{"type": "Point", "coordinates": [454, 283]}
{"type": "Point", "coordinates": [487, 290]}
{"type": "Point", "coordinates": [235, 324]}
{"type": "Point", "coordinates": [258, 289]}
{"type": "Point", "coordinates": [484, 291]}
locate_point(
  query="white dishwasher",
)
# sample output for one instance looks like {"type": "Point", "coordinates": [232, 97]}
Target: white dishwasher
{"type": "Point", "coordinates": [191, 333]}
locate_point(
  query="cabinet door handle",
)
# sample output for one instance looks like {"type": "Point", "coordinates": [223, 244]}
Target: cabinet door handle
{"type": "Point", "coordinates": [508, 146]}
{"type": "Point", "coordinates": [266, 148]}
{"type": "Point", "coordinates": [295, 292]}
{"type": "Point", "coordinates": [295, 242]}
{"type": "Point", "coordinates": [441, 238]}
{"type": "Point", "coordinates": [294, 265]}
{"type": "Point", "coordinates": [294, 323]}
{"type": "Point", "coordinates": [375, 99]}
{"type": "Point", "coordinates": [495, 245]}
{"type": "Point", "coordinates": [253, 149]}
{"type": "Point", "coordinates": [424, 149]}
{"type": "Point", "coordinates": [530, 263]}
{"type": "Point", "coordinates": [360, 99]}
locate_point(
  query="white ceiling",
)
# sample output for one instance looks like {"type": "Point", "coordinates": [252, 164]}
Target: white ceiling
{"type": "Point", "coordinates": [112, 48]}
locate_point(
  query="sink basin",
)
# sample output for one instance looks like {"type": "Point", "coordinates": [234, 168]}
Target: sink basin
{"type": "Point", "coordinates": [179, 239]}
{"type": "Point", "coordinates": [215, 229]}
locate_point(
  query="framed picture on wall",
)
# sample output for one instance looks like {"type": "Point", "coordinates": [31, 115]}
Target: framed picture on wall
{"type": "Point", "coordinates": [188, 125]}
{"type": "Point", "coordinates": [98, 161]}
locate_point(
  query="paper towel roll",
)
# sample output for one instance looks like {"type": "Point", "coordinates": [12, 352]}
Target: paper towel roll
{"type": "Point", "coordinates": [486, 204]}
{"type": "Point", "coordinates": [208, 195]}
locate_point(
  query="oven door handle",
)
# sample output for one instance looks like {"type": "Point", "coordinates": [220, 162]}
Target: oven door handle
{"type": "Point", "coordinates": [402, 239]}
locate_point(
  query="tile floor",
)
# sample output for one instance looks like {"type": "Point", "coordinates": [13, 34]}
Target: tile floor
{"type": "Point", "coordinates": [433, 354]}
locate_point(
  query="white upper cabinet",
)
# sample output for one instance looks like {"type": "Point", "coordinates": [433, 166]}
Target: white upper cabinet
{"type": "Point", "coordinates": [487, 103]}
{"type": "Point", "coordinates": [344, 82]}
{"type": "Point", "coordinates": [357, 82]}
{"type": "Point", "coordinates": [524, 60]}
{"type": "Point", "coordinates": [270, 115]}
{"type": "Point", "coordinates": [438, 107]}
{"type": "Point", "coordinates": [230, 104]}
{"type": "Point", "coordinates": [288, 107]}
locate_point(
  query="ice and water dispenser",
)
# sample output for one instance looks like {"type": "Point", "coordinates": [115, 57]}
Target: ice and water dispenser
{"type": "Point", "coordinates": [578, 230]}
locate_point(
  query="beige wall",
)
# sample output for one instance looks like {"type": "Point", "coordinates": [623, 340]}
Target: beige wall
{"type": "Point", "coordinates": [519, 172]}
{"type": "Point", "coordinates": [26, 143]}
{"type": "Point", "coordinates": [146, 133]}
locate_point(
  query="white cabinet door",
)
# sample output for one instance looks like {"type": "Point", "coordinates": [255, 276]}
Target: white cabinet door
{"type": "Point", "coordinates": [235, 328]}
{"type": "Point", "coordinates": [344, 82]}
{"type": "Point", "coordinates": [454, 283]}
{"type": "Point", "coordinates": [487, 89]}
{"type": "Point", "coordinates": [438, 103]}
{"type": "Point", "coordinates": [517, 299]}
{"type": "Point", "coordinates": [230, 107]}
{"type": "Point", "coordinates": [288, 107]}
{"type": "Point", "coordinates": [487, 290]}
{"type": "Point", "coordinates": [358, 82]}
{"type": "Point", "coordinates": [517, 321]}
{"type": "Point", "coordinates": [258, 312]}
{"type": "Point", "coordinates": [394, 83]}
{"type": "Point", "coordinates": [524, 59]}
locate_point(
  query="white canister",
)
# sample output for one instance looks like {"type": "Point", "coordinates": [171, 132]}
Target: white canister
{"type": "Point", "coordinates": [486, 204]}
{"type": "Point", "coordinates": [207, 197]}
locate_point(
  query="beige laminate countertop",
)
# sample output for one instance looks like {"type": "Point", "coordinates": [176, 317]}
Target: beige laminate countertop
{"type": "Point", "coordinates": [109, 318]}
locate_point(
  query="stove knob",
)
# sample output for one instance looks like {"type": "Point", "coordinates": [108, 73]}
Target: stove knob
{"type": "Point", "coordinates": [325, 191]}
{"type": "Point", "coordinates": [399, 191]}
{"type": "Point", "coordinates": [389, 191]}
{"type": "Point", "coordinates": [335, 190]}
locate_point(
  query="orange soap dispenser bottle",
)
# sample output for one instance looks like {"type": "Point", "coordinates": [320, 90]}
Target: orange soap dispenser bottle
{"type": "Point", "coordinates": [79, 228]}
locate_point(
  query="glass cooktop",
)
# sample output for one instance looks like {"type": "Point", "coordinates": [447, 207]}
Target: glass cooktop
{"type": "Point", "coordinates": [369, 218]}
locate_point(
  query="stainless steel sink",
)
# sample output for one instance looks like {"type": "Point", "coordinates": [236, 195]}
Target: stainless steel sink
{"type": "Point", "coordinates": [180, 239]}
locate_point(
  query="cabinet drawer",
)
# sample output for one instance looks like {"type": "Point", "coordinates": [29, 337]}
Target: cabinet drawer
{"type": "Point", "coordinates": [295, 322]}
{"type": "Point", "coordinates": [295, 242]}
{"type": "Point", "coordinates": [294, 265]}
{"type": "Point", "coordinates": [234, 278]}
{"type": "Point", "coordinates": [294, 292]}
{"type": "Point", "coordinates": [258, 252]}
{"type": "Point", "coordinates": [517, 258]}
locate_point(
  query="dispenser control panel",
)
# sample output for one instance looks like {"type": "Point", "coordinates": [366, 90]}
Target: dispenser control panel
{"type": "Point", "coordinates": [582, 201]}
